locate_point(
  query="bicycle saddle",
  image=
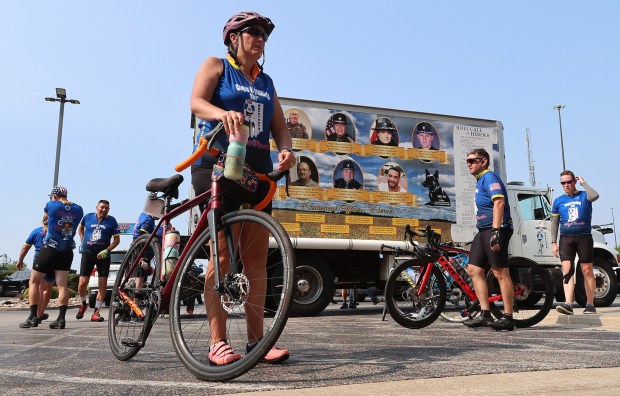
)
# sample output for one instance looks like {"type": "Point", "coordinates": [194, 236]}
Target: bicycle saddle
{"type": "Point", "coordinates": [168, 186]}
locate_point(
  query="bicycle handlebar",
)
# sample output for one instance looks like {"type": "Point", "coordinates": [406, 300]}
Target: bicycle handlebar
{"type": "Point", "coordinates": [206, 145]}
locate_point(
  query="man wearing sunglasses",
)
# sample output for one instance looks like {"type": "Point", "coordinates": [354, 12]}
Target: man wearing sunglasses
{"type": "Point", "coordinates": [572, 212]}
{"type": "Point", "coordinates": [490, 245]}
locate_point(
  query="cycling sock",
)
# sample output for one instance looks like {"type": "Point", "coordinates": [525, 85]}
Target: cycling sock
{"type": "Point", "coordinates": [83, 298]}
{"type": "Point", "coordinates": [508, 315]}
{"type": "Point", "coordinates": [486, 314]}
{"type": "Point", "coordinates": [62, 310]}
{"type": "Point", "coordinates": [33, 310]}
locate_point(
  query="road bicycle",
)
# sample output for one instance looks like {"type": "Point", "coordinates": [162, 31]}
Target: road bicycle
{"type": "Point", "coordinates": [238, 293]}
{"type": "Point", "coordinates": [416, 290]}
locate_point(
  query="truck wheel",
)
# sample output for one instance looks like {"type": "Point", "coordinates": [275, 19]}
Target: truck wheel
{"type": "Point", "coordinates": [606, 289]}
{"type": "Point", "coordinates": [314, 286]}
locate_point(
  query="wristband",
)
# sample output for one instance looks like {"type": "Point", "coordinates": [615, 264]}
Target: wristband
{"type": "Point", "coordinates": [286, 149]}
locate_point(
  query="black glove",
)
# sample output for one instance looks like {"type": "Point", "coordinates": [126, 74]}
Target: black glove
{"type": "Point", "coordinates": [495, 237]}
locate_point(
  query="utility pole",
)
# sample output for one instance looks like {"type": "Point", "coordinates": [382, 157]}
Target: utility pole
{"type": "Point", "coordinates": [530, 158]}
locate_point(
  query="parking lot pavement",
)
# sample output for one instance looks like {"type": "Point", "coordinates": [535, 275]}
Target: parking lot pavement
{"type": "Point", "coordinates": [339, 351]}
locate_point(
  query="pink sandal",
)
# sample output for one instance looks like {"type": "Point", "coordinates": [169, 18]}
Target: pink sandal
{"type": "Point", "coordinates": [221, 354]}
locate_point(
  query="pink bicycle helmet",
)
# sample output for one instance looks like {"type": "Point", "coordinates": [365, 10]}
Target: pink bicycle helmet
{"type": "Point", "coordinates": [243, 19]}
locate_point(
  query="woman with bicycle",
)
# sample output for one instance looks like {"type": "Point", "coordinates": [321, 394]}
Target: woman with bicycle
{"type": "Point", "coordinates": [235, 91]}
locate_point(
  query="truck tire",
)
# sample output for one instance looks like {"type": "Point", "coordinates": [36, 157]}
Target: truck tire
{"type": "Point", "coordinates": [606, 289]}
{"type": "Point", "coordinates": [314, 286]}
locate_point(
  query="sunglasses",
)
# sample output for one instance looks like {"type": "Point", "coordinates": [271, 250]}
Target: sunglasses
{"type": "Point", "coordinates": [567, 182]}
{"type": "Point", "coordinates": [256, 32]}
{"type": "Point", "coordinates": [471, 161]}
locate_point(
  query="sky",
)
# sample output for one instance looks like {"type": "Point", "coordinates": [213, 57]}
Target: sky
{"type": "Point", "coordinates": [132, 66]}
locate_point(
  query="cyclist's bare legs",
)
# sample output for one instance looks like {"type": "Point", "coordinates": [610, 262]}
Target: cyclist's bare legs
{"type": "Point", "coordinates": [480, 285]}
{"type": "Point", "coordinates": [256, 237]}
{"type": "Point", "coordinates": [505, 284]}
{"type": "Point", "coordinates": [216, 314]}
{"type": "Point", "coordinates": [569, 288]}
{"type": "Point", "coordinates": [45, 294]}
{"type": "Point", "coordinates": [589, 283]}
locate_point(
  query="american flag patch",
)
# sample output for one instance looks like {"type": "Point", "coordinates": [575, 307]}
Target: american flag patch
{"type": "Point", "coordinates": [495, 186]}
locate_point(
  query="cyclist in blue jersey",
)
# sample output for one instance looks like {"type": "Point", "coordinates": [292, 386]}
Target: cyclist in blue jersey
{"type": "Point", "coordinates": [45, 292]}
{"type": "Point", "coordinates": [99, 235]}
{"type": "Point", "coordinates": [144, 226]}
{"type": "Point", "coordinates": [572, 213]}
{"type": "Point", "coordinates": [56, 255]}
{"type": "Point", "coordinates": [490, 245]}
{"type": "Point", "coordinates": [236, 91]}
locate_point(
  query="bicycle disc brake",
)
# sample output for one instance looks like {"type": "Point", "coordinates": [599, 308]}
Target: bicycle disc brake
{"type": "Point", "coordinates": [236, 292]}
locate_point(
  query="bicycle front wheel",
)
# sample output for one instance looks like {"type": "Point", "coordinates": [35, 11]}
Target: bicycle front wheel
{"type": "Point", "coordinates": [407, 304]}
{"type": "Point", "coordinates": [126, 332]}
{"type": "Point", "coordinates": [533, 292]}
{"type": "Point", "coordinates": [244, 300]}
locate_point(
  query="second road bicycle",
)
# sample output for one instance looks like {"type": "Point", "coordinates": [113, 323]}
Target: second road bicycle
{"type": "Point", "coordinates": [416, 290]}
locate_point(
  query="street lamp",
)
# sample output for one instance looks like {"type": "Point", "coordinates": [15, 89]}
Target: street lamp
{"type": "Point", "coordinates": [559, 108]}
{"type": "Point", "coordinates": [61, 96]}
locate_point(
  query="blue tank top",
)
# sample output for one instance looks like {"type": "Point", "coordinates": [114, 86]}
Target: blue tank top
{"type": "Point", "coordinates": [256, 101]}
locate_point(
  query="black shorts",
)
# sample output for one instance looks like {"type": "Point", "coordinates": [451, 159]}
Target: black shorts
{"type": "Point", "coordinates": [49, 260]}
{"type": "Point", "coordinates": [89, 260]}
{"type": "Point", "coordinates": [201, 180]}
{"type": "Point", "coordinates": [583, 245]}
{"type": "Point", "coordinates": [481, 254]}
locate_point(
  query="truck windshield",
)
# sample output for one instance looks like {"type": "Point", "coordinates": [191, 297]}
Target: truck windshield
{"type": "Point", "coordinates": [534, 207]}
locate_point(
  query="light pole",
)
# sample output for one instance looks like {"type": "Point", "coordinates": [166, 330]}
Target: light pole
{"type": "Point", "coordinates": [613, 223]}
{"type": "Point", "coordinates": [61, 96]}
{"type": "Point", "coordinates": [559, 108]}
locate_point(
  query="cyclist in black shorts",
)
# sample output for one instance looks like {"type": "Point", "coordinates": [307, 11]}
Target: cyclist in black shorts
{"type": "Point", "coordinates": [490, 245]}
{"type": "Point", "coordinates": [572, 212]}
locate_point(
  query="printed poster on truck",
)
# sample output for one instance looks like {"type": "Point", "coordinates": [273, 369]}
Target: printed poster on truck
{"type": "Point", "coordinates": [364, 174]}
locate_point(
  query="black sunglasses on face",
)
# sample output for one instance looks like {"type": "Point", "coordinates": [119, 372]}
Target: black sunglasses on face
{"type": "Point", "coordinates": [471, 161]}
{"type": "Point", "coordinates": [256, 32]}
{"type": "Point", "coordinates": [567, 182]}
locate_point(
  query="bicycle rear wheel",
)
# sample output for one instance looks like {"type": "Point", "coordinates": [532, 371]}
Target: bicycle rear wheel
{"type": "Point", "coordinates": [271, 293]}
{"type": "Point", "coordinates": [404, 304]}
{"type": "Point", "coordinates": [533, 304]}
{"type": "Point", "coordinates": [126, 333]}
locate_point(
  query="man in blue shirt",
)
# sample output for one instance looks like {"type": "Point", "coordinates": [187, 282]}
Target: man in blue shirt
{"type": "Point", "coordinates": [572, 212]}
{"type": "Point", "coordinates": [490, 245]}
{"type": "Point", "coordinates": [56, 255]}
{"type": "Point", "coordinates": [36, 239]}
{"type": "Point", "coordinates": [96, 231]}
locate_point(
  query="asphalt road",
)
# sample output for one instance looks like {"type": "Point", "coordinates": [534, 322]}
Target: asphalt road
{"type": "Point", "coordinates": [338, 347]}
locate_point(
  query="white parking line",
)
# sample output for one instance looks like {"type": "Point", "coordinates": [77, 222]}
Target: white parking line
{"type": "Point", "coordinates": [133, 383]}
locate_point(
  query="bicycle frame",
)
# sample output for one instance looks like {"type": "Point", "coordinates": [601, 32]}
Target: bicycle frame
{"type": "Point", "coordinates": [461, 283]}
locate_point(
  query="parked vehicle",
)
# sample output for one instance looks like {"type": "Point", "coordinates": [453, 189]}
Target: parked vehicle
{"type": "Point", "coordinates": [337, 232]}
{"type": "Point", "coordinates": [15, 284]}
{"type": "Point", "coordinates": [116, 257]}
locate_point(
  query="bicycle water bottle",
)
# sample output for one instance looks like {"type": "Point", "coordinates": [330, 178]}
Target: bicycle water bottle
{"type": "Point", "coordinates": [459, 262]}
{"type": "Point", "coordinates": [235, 156]}
{"type": "Point", "coordinates": [172, 242]}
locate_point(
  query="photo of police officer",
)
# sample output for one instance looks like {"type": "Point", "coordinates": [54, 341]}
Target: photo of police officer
{"type": "Point", "coordinates": [339, 129]}
{"type": "Point", "coordinates": [425, 136]}
{"type": "Point", "coordinates": [298, 123]}
{"type": "Point", "coordinates": [349, 172]}
{"type": "Point", "coordinates": [384, 133]}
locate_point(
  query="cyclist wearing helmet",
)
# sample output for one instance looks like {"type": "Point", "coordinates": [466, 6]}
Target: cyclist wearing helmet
{"type": "Point", "coordinates": [236, 91]}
